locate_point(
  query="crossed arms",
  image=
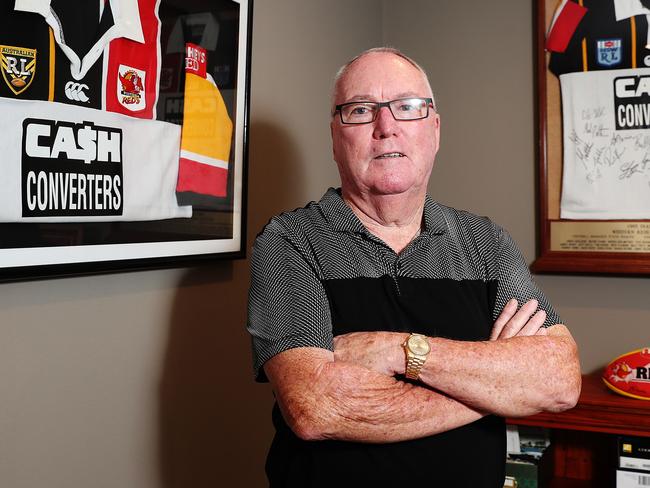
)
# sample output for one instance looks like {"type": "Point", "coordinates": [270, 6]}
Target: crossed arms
{"type": "Point", "coordinates": [352, 393]}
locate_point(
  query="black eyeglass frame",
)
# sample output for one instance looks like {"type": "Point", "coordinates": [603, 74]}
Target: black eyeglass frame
{"type": "Point", "coordinates": [337, 108]}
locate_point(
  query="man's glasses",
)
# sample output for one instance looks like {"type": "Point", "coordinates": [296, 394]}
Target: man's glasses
{"type": "Point", "coordinates": [366, 112]}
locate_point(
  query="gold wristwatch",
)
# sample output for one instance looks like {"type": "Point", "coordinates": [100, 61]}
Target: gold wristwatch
{"type": "Point", "coordinates": [416, 348]}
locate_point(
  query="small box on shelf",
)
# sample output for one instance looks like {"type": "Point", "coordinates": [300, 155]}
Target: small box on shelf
{"type": "Point", "coordinates": [633, 462]}
{"type": "Point", "coordinates": [634, 453]}
{"type": "Point", "coordinates": [528, 464]}
{"type": "Point", "coordinates": [632, 479]}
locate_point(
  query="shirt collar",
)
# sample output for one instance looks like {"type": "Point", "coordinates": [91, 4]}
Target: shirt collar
{"type": "Point", "coordinates": [125, 15]}
{"type": "Point", "coordinates": [342, 218]}
{"type": "Point", "coordinates": [629, 8]}
{"type": "Point", "coordinates": [126, 23]}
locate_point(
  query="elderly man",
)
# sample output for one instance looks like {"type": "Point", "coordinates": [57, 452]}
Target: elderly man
{"type": "Point", "coordinates": [389, 325]}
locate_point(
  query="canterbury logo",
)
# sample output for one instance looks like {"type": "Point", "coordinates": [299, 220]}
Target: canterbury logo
{"type": "Point", "coordinates": [75, 91]}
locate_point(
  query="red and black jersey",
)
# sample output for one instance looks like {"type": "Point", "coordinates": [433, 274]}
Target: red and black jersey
{"type": "Point", "coordinates": [590, 35]}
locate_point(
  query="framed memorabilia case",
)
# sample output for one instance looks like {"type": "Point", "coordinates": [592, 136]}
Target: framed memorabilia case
{"type": "Point", "coordinates": [593, 140]}
{"type": "Point", "coordinates": [124, 134]}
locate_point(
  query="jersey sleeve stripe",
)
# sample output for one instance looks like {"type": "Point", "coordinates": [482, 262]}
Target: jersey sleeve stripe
{"type": "Point", "coordinates": [201, 178]}
{"type": "Point", "coordinates": [201, 158]}
{"type": "Point", "coordinates": [633, 34]}
{"type": "Point", "coordinates": [50, 93]}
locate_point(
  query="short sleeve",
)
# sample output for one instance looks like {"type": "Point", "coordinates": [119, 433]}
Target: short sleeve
{"type": "Point", "coordinates": [515, 280]}
{"type": "Point", "coordinates": [287, 304]}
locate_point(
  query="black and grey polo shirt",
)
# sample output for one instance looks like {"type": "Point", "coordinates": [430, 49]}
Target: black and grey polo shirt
{"type": "Point", "coordinates": [317, 272]}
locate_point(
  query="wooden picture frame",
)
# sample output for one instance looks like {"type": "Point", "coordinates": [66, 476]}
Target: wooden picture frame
{"type": "Point", "coordinates": [211, 39]}
{"type": "Point", "coordinates": [573, 246]}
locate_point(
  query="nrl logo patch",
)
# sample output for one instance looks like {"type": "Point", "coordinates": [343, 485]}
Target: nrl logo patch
{"type": "Point", "coordinates": [130, 88]}
{"type": "Point", "coordinates": [18, 65]}
{"type": "Point", "coordinates": [609, 52]}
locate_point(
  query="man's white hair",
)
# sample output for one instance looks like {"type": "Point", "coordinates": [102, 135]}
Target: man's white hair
{"type": "Point", "coordinates": [383, 49]}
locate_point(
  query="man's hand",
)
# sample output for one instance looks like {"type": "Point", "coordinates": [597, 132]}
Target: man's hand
{"type": "Point", "coordinates": [378, 351]}
{"type": "Point", "coordinates": [523, 322]}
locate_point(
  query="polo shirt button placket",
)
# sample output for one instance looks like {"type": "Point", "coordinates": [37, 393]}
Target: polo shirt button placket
{"type": "Point", "coordinates": [397, 265]}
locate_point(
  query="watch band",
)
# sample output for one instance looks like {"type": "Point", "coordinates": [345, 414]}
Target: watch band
{"type": "Point", "coordinates": [414, 366]}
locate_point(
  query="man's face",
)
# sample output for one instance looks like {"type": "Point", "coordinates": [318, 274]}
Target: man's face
{"type": "Point", "coordinates": [387, 156]}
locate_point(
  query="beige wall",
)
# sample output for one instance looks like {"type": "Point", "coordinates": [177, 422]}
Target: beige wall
{"type": "Point", "coordinates": [143, 379]}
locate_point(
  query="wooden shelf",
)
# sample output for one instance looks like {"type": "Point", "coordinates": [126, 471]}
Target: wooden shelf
{"type": "Point", "coordinates": [598, 410]}
{"type": "Point", "coordinates": [584, 438]}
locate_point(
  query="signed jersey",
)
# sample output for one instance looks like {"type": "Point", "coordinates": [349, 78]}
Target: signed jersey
{"type": "Point", "coordinates": [591, 35]}
{"type": "Point", "coordinates": [606, 170]}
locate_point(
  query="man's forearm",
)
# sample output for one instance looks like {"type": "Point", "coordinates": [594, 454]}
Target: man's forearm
{"type": "Point", "coordinates": [512, 377]}
{"type": "Point", "coordinates": [523, 369]}
{"type": "Point", "coordinates": [343, 401]}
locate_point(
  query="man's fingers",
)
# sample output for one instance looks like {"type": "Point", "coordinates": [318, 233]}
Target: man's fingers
{"type": "Point", "coordinates": [519, 320]}
{"type": "Point", "coordinates": [506, 314]}
{"type": "Point", "coordinates": [534, 324]}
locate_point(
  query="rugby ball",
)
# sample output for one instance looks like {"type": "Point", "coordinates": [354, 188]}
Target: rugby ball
{"type": "Point", "coordinates": [629, 374]}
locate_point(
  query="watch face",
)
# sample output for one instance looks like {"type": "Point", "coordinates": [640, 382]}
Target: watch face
{"type": "Point", "coordinates": [419, 345]}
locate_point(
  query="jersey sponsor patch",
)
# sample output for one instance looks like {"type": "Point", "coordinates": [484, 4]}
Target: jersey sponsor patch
{"type": "Point", "coordinates": [71, 169]}
{"type": "Point", "coordinates": [130, 88]}
{"type": "Point", "coordinates": [18, 66]}
{"type": "Point", "coordinates": [609, 52]}
{"type": "Point", "coordinates": [632, 102]}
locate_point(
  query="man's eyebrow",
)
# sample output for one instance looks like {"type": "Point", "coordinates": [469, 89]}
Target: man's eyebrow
{"type": "Point", "coordinates": [408, 94]}
{"type": "Point", "coordinates": [371, 98]}
{"type": "Point", "coordinates": [357, 98]}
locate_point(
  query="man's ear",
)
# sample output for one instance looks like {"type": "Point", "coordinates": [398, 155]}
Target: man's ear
{"type": "Point", "coordinates": [436, 132]}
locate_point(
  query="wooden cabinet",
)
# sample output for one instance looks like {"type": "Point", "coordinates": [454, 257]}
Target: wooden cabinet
{"type": "Point", "coordinates": [584, 438]}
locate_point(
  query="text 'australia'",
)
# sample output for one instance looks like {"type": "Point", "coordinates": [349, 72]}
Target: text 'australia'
{"type": "Point", "coordinates": [71, 169]}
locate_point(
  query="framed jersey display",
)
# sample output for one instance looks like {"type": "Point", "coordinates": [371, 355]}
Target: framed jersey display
{"type": "Point", "coordinates": [593, 109]}
{"type": "Point", "coordinates": [123, 133]}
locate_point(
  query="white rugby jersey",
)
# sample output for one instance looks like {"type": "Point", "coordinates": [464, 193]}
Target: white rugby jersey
{"type": "Point", "coordinates": [108, 57]}
{"type": "Point", "coordinates": [63, 163]}
{"type": "Point", "coordinates": [606, 170]}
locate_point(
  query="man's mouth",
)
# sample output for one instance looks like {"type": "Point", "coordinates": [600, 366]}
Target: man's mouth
{"type": "Point", "coordinates": [390, 155]}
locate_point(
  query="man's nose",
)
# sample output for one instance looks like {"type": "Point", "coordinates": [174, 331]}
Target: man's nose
{"type": "Point", "coordinates": [385, 124]}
